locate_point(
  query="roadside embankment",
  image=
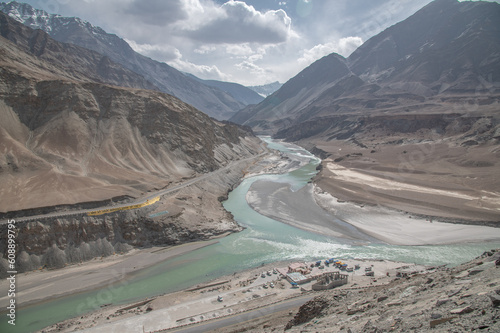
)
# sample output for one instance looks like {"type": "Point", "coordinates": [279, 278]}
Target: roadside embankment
{"type": "Point", "coordinates": [192, 213]}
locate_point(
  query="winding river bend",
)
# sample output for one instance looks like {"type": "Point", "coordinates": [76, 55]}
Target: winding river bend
{"type": "Point", "coordinates": [263, 241]}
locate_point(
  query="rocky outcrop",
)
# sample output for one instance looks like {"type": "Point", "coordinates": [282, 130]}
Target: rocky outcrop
{"type": "Point", "coordinates": [463, 298]}
{"type": "Point", "coordinates": [64, 241]}
{"type": "Point", "coordinates": [309, 311]}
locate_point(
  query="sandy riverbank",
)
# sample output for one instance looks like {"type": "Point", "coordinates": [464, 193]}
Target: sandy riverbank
{"type": "Point", "coordinates": [39, 286]}
{"type": "Point", "coordinates": [374, 199]}
{"type": "Point", "coordinates": [315, 210]}
{"type": "Point", "coordinates": [433, 179]}
{"type": "Point", "coordinates": [398, 228]}
{"type": "Point", "coordinates": [278, 162]}
{"type": "Point", "coordinates": [299, 209]}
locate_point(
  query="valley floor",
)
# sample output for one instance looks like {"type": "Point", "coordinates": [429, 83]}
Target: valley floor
{"type": "Point", "coordinates": [413, 194]}
{"type": "Point", "coordinates": [239, 289]}
{"type": "Point", "coordinates": [435, 181]}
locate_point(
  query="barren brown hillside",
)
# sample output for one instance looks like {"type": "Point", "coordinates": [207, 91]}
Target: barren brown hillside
{"type": "Point", "coordinates": [65, 141]}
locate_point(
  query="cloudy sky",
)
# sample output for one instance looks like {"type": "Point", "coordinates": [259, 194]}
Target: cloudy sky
{"type": "Point", "coordinates": [251, 42]}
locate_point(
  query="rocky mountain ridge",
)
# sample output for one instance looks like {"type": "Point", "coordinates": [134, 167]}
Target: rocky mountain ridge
{"type": "Point", "coordinates": [211, 100]}
{"type": "Point", "coordinates": [78, 62]}
{"type": "Point", "coordinates": [445, 46]}
{"type": "Point", "coordinates": [79, 135]}
{"type": "Point", "coordinates": [294, 95]}
{"type": "Point", "coordinates": [266, 89]}
{"type": "Point", "coordinates": [443, 59]}
{"type": "Point", "coordinates": [239, 92]}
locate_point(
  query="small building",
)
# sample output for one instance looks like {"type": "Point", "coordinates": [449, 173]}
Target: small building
{"type": "Point", "coordinates": [330, 281]}
{"type": "Point", "coordinates": [295, 266]}
{"type": "Point", "coordinates": [299, 268]}
{"type": "Point", "coordinates": [297, 278]}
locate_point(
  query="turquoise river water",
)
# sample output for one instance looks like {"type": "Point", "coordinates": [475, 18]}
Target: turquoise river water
{"type": "Point", "coordinates": [263, 241]}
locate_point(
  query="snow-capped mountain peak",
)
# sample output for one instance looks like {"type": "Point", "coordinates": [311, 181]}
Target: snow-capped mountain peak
{"type": "Point", "coordinates": [40, 19]}
{"type": "Point", "coordinates": [24, 13]}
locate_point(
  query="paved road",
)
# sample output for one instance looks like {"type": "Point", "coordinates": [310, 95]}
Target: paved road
{"type": "Point", "coordinates": [243, 317]}
{"type": "Point", "coordinates": [141, 200]}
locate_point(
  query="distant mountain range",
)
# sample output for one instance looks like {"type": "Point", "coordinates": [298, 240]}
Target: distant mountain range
{"type": "Point", "coordinates": [444, 59]}
{"type": "Point", "coordinates": [209, 98]}
{"type": "Point", "coordinates": [239, 92]}
{"type": "Point", "coordinates": [80, 63]}
{"type": "Point", "coordinates": [266, 89]}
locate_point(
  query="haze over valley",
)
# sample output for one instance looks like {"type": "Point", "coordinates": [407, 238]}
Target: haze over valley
{"type": "Point", "coordinates": [143, 188]}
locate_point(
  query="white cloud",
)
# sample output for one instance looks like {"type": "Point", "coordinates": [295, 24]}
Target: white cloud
{"type": "Point", "coordinates": [242, 50]}
{"type": "Point", "coordinates": [159, 52]}
{"type": "Point", "coordinates": [251, 52]}
{"type": "Point", "coordinates": [251, 68]}
{"type": "Point", "coordinates": [205, 49]}
{"type": "Point", "coordinates": [344, 46]}
{"type": "Point", "coordinates": [248, 41]}
{"type": "Point", "coordinates": [236, 22]}
{"type": "Point", "coordinates": [202, 71]}
{"type": "Point", "coordinates": [256, 56]}
{"type": "Point", "coordinates": [156, 12]}
{"type": "Point", "coordinates": [348, 45]}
